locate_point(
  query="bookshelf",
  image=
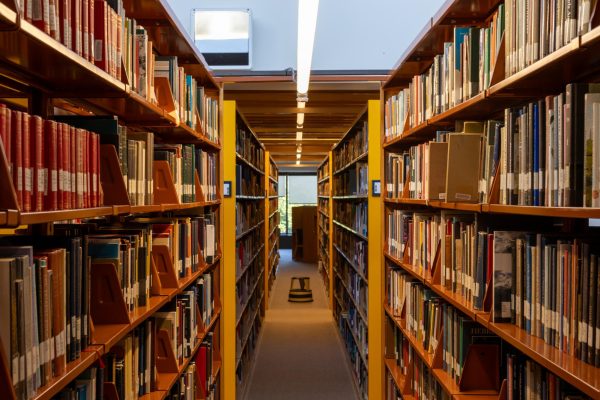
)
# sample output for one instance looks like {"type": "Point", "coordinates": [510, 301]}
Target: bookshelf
{"type": "Point", "coordinates": [325, 225]}
{"type": "Point", "coordinates": [272, 228]}
{"type": "Point", "coordinates": [101, 204]}
{"type": "Point", "coordinates": [245, 255]}
{"type": "Point", "coordinates": [416, 132]}
{"type": "Point", "coordinates": [356, 244]}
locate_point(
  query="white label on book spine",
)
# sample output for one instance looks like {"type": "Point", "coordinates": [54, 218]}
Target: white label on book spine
{"type": "Point", "coordinates": [597, 339]}
{"type": "Point", "coordinates": [52, 348]}
{"type": "Point", "coordinates": [19, 178]}
{"type": "Point", "coordinates": [78, 333]}
{"type": "Point", "coordinates": [580, 331]}
{"type": "Point", "coordinates": [510, 181]}
{"type": "Point", "coordinates": [54, 180]}
{"type": "Point", "coordinates": [60, 344]}
{"type": "Point", "coordinates": [73, 182]}
{"type": "Point", "coordinates": [22, 375]}
{"type": "Point", "coordinates": [80, 183]}
{"type": "Point", "coordinates": [41, 181]}
{"type": "Point", "coordinates": [28, 365]}
{"type": "Point", "coordinates": [565, 326]}
{"type": "Point", "coordinates": [527, 310]}
{"type": "Point", "coordinates": [43, 349]}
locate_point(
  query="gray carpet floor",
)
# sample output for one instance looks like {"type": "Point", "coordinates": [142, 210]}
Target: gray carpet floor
{"type": "Point", "coordinates": [300, 355]}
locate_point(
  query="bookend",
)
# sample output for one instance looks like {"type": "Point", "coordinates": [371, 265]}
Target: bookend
{"type": "Point", "coordinates": [111, 177]}
{"type": "Point", "coordinates": [6, 387]}
{"type": "Point", "coordinates": [198, 187]}
{"type": "Point", "coordinates": [164, 97]}
{"type": "Point", "coordinates": [163, 269]}
{"type": "Point", "coordinates": [405, 190]}
{"type": "Point", "coordinates": [164, 188]}
{"type": "Point", "coordinates": [8, 201]}
{"type": "Point", "coordinates": [438, 354]}
{"type": "Point", "coordinates": [494, 194]}
{"type": "Point", "coordinates": [481, 368]}
{"type": "Point", "coordinates": [503, 395]}
{"type": "Point", "coordinates": [499, 72]}
{"type": "Point", "coordinates": [110, 391]}
{"type": "Point", "coordinates": [436, 265]}
{"type": "Point", "coordinates": [166, 362]}
{"type": "Point", "coordinates": [107, 305]}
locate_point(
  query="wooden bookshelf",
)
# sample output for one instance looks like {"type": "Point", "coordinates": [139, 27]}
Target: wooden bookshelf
{"type": "Point", "coordinates": [369, 381]}
{"type": "Point", "coordinates": [271, 246]}
{"type": "Point", "coordinates": [325, 225]}
{"type": "Point", "coordinates": [238, 325]}
{"type": "Point", "coordinates": [575, 61]}
{"type": "Point", "coordinates": [38, 67]}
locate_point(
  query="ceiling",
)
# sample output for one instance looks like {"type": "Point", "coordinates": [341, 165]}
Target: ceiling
{"type": "Point", "coordinates": [270, 109]}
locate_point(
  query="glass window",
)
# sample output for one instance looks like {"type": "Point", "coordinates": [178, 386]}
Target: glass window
{"type": "Point", "coordinates": [223, 37]}
{"type": "Point", "coordinates": [294, 190]}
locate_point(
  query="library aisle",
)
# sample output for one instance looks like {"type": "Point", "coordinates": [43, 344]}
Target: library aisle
{"type": "Point", "coordinates": [300, 355]}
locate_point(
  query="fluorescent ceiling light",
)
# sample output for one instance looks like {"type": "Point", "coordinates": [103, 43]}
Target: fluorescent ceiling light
{"type": "Point", "coordinates": [300, 119]}
{"type": "Point", "coordinates": [307, 24]}
{"type": "Point", "coordinates": [299, 149]}
{"type": "Point", "coordinates": [301, 104]}
{"type": "Point", "coordinates": [298, 156]}
{"type": "Point", "coordinates": [299, 135]}
{"type": "Point", "coordinates": [297, 162]}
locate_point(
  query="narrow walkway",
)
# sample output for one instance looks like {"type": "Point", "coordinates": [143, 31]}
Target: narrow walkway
{"type": "Point", "coordinates": [300, 356]}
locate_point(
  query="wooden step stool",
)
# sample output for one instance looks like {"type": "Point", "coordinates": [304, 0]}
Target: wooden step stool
{"type": "Point", "coordinates": [302, 293]}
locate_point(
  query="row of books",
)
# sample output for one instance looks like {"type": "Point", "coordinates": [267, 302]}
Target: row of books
{"type": "Point", "coordinates": [323, 188]}
{"type": "Point", "coordinates": [323, 170]}
{"type": "Point", "coordinates": [353, 146]}
{"type": "Point", "coordinates": [352, 182]}
{"type": "Point", "coordinates": [248, 283]}
{"type": "Point", "coordinates": [359, 368]}
{"type": "Point", "coordinates": [88, 386]}
{"type": "Point", "coordinates": [353, 284]}
{"type": "Point", "coordinates": [535, 29]}
{"type": "Point", "coordinates": [273, 170]}
{"type": "Point", "coordinates": [549, 288]}
{"type": "Point", "coordinates": [248, 214]}
{"type": "Point", "coordinates": [249, 323]}
{"type": "Point", "coordinates": [351, 248]}
{"type": "Point", "coordinates": [247, 249]}
{"type": "Point", "coordinates": [248, 147]}
{"type": "Point", "coordinates": [54, 166]}
{"type": "Point", "coordinates": [248, 182]}
{"type": "Point", "coordinates": [428, 170]}
{"type": "Point", "coordinates": [272, 188]}
{"type": "Point", "coordinates": [461, 72]}
{"type": "Point", "coordinates": [352, 214]}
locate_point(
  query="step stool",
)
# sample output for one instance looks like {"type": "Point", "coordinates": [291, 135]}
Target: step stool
{"type": "Point", "coordinates": [302, 293]}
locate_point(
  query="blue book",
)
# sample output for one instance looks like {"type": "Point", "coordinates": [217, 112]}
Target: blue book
{"type": "Point", "coordinates": [527, 300]}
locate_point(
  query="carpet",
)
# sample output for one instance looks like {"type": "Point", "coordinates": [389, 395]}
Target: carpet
{"type": "Point", "coordinates": [300, 355]}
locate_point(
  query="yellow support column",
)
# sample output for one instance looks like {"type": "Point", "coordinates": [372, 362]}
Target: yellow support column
{"type": "Point", "coordinates": [267, 228]}
{"type": "Point", "coordinates": [228, 268]}
{"type": "Point", "coordinates": [376, 281]}
{"type": "Point", "coordinates": [330, 228]}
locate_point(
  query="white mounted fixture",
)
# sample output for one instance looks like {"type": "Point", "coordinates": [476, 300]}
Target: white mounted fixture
{"type": "Point", "coordinates": [299, 135]}
{"type": "Point", "coordinates": [307, 24]}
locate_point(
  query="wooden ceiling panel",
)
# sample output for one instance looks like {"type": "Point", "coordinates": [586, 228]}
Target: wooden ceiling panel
{"type": "Point", "coordinates": [271, 113]}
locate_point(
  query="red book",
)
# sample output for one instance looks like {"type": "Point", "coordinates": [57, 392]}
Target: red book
{"type": "Point", "coordinates": [101, 34]}
{"type": "Point", "coordinates": [51, 164]}
{"type": "Point", "coordinates": [201, 370]}
{"type": "Point", "coordinates": [5, 131]}
{"type": "Point", "coordinates": [17, 154]}
{"type": "Point", "coordinates": [37, 162]}
{"type": "Point", "coordinates": [73, 166]}
{"type": "Point", "coordinates": [76, 34]}
{"type": "Point", "coordinates": [41, 15]}
{"type": "Point", "coordinates": [78, 167]}
{"type": "Point", "coordinates": [66, 135]}
{"type": "Point", "coordinates": [27, 163]}
{"type": "Point", "coordinates": [60, 165]}
{"type": "Point", "coordinates": [85, 29]}
{"type": "Point", "coordinates": [91, 28]}
{"type": "Point", "coordinates": [63, 21]}
{"type": "Point", "coordinates": [97, 182]}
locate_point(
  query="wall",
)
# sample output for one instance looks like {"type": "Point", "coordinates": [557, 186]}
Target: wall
{"type": "Point", "coordinates": [351, 34]}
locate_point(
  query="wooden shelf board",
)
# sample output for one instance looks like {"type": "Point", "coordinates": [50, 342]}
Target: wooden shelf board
{"type": "Point", "coordinates": [28, 218]}
{"type": "Point", "coordinates": [418, 202]}
{"type": "Point", "coordinates": [351, 197]}
{"type": "Point", "coordinates": [360, 310]}
{"type": "Point", "coordinates": [133, 109]}
{"type": "Point", "coordinates": [272, 179]}
{"type": "Point", "coordinates": [247, 163]}
{"type": "Point", "coordinates": [140, 314]}
{"type": "Point", "coordinates": [566, 212]}
{"type": "Point", "coordinates": [396, 374]}
{"type": "Point", "coordinates": [361, 157]}
{"type": "Point", "coordinates": [183, 133]}
{"type": "Point", "coordinates": [411, 269]}
{"type": "Point", "coordinates": [156, 395]}
{"type": "Point", "coordinates": [245, 267]}
{"type": "Point", "coordinates": [324, 179]}
{"type": "Point", "coordinates": [472, 207]}
{"type": "Point", "coordinates": [241, 235]}
{"type": "Point", "coordinates": [579, 374]}
{"type": "Point", "coordinates": [72, 371]}
{"type": "Point", "coordinates": [350, 230]}
{"type": "Point", "coordinates": [356, 342]}
{"type": "Point", "coordinates": [27, 52]}
{"type": "Point", "coordinates": [109, 335]}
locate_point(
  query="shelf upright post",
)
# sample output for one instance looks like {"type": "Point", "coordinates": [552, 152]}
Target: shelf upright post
{"type": "Point", "coordinates": [375, 264]}
{"type": "Point", "coordinates": [330, 228]}
{"type": "Point", "coordinates": [229, 236]}
{"type": "Point", "coordinates": [267, 227]}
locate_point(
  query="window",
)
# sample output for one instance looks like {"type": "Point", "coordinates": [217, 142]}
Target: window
{"type": "Point", "coordinates": [294, 190]}
{"type": "Point", "coordinates": [223, 37]}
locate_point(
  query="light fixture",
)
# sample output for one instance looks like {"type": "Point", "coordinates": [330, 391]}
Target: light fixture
{"type": "Point", "coordinates": [307, 24]}
{"type": "Point", "coordinates": [299, 149]}
{"type": "Point", "coordinates": [301, 104]}
{"type": "Point", "coordinates": [299, 135]}
{"type": "Point", "coordinates": [298, 156]}
{"type": "Point", "coordinates": [300, 119]}
{"type": "Point", "coordinates": [297, 162]}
